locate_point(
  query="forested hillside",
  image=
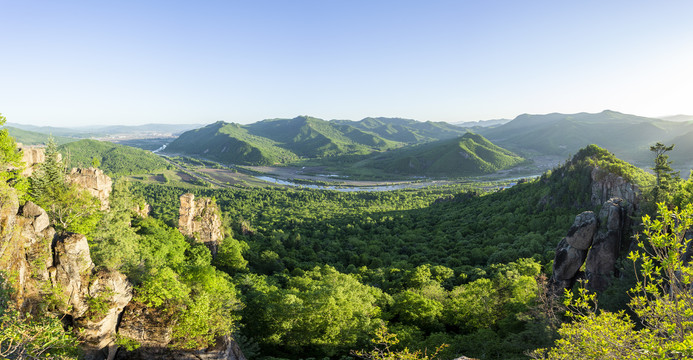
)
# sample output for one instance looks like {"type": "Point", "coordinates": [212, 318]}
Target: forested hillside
{"type": "Point", "coordinates": [468, 155]}
{"type": "Point", "coordinates": [27, 137]}
{"type": "Point", "coordinates": [113, 159]}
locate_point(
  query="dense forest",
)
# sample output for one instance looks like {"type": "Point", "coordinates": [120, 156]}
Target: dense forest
{"type": "Point", "coordinates": [324, 274]}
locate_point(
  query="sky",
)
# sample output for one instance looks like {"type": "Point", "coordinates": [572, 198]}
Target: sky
{"type": "Point", "coordinates": [72, 63]}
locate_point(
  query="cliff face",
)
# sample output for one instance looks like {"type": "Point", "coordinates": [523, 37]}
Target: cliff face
{"type": "Point", "coordinates": [93, 180]}
{"type": "Point", "coordinates": [201, 219]}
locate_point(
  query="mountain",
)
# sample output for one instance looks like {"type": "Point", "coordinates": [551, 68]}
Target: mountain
{"type": "Point", "coordinates": [679, 117]}
{"type": "Point", "coordinates": [114, 159]}
{"type": "Point", "coordinates": [35, 138]}
{"type": "Point", "coordinates": [275, 141]}
{"type": "Point", "coordinates": [311, 137]}
{"type": "Point", "coordinates": [468, 155]}
{"type": "Point", "coordinates": [627, 136]}
{"type": "Point", "coordinates": [482, 123]}
{"type": "Point", "coordinates": [405, 130]}
{"type": "Point", "coordinates": [109, 130]}
{"type": "Point", "coordinates": [231, 144]}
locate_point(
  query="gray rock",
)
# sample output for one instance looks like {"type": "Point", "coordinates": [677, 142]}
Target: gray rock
{"type": "Point", "coordinates": [583, 229]}
{"type": "Point", "coordinates": [567, 263]}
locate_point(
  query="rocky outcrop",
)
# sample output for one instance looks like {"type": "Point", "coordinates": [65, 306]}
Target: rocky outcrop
{"type": "Point", "coordinates": [142, 210]}
{"type": "Point", "coordinates": [31, 156]}
{"type": "Point", "coordinates": [99, 328]}
{"type": "Point", "coordinates": [607, 185]}
{"type": "Point", "coordinates": [201, 219]}
{"type": "Point", "coordinates": [94, 181]}
{"type": "Point", "coordinates": [595, 242]}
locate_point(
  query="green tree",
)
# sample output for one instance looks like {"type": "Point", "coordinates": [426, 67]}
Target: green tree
{"type": "Point", "coordinates": [384, 349]}
{"type": "Point", "coordinates": [24, 336]}
{"type": "Point", "coordinates": [665, 175]}
{"type": "Point", "coordinates": [11, 162]}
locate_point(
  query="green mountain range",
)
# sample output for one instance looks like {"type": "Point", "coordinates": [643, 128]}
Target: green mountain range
{"type": "Point", "coordinates": [277, 141]}
{"type": "Point", "coordinates": [627, 136]}
{"type": "Point", "coordinates": [468, 155]}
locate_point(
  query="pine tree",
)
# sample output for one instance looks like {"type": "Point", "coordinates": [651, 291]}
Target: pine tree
{"type": "Point", "coordinates": [665, 174]}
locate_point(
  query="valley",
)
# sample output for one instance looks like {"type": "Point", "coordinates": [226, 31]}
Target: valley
{"type": "Point", "coordinates": [322, 242]}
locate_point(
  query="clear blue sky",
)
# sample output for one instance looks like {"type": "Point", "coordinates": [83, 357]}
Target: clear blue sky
{"type": "Point", "coordinates": [67, 63]}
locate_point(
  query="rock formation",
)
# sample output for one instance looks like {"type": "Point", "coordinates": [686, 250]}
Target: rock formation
{"type": "Point", "coordinates": [201, 219]}
{"type": "Point", "coordinates": [606, 185]}
{"type": "Point", "coordinates": [595, 242]}
{"type": "Point", "coordinates": [31, 156]}
{"type": "Point", "coordinates": [95, 181]}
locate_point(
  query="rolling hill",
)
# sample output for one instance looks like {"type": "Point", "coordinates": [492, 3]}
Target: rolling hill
{"type": "Point", "coordinates": [27, 137]}
{"type": "Point", "coordinates": [230, 144]}
{"type": "Point", "coordinates": [115, 160]}
{"type": "Point", "coordinates": [468, 155]}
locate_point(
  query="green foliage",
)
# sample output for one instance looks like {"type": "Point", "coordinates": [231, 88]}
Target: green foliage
{"type": "Point", "coordinates": [385, 342]}
{"type": "Point", "coordinates": [24, 336]}
{"type": "Point", "coordinates": [162, 288]}
{"type": "Point", "coordinates": [230, 255]}
{"type": "Point", "coordinates": [320, 312]}
{"type": "Point", "coordinates": [447, 264]}
{"type": "Point", "coordinates": [113, 159]}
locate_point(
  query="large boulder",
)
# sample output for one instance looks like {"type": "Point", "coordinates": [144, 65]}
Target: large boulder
{"type": "Point", "coordinates": [40, 220]}
{"type": "Point", "coordinates": [581, 232]}
{"type": "Point", "coordinates": [566, 265]}
{"type": "Point", "coordinates": [25, 248]}
{"type": "Point", "coordinates": [151, 328]}
{"type": "Point", "coordinates": [201, 219]}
